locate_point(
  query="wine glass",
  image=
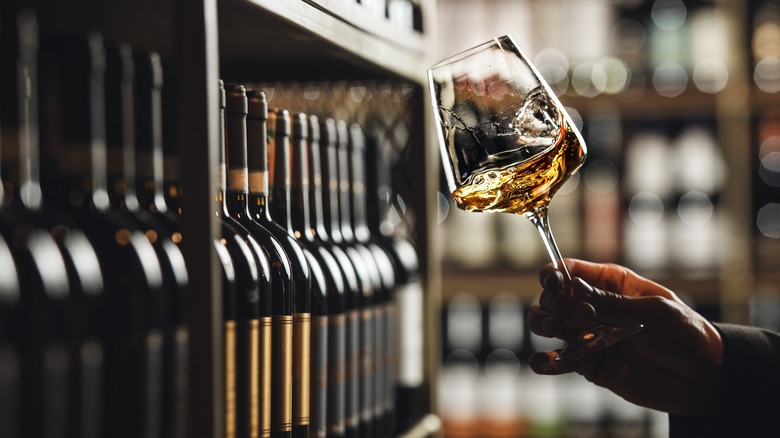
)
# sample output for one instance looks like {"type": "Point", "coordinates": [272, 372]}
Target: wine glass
{"type": "Point", "coordinates": [508, 145]}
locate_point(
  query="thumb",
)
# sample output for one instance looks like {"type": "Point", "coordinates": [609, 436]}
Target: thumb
{"type": "Point", "coordinates": [614, 308]}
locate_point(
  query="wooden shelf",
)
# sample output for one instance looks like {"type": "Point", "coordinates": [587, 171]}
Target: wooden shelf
{"type": "Point", "coordinates": [275, 39]}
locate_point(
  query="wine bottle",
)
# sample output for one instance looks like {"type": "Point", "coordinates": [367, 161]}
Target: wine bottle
{"type": "Point", "coordinates": [120, 141]}
{"type": "Point", "coordinates": [279, 304]}
{"type": "Point", "coordinates": [82, 313]}
{"type": "Point", "coordinates": [341, 235]}
{"type": "Point", "coordinates": [38, 290]}
{"type": "Point", "coordinates": [278, 131]}
{"type": "Point", "coordinates": [368, 300]}
{"type": "Point", "coordinates": [149, 189]}
{"type": "Point", "coordinates": [10, 335]}
{"type": "Point", "coordinates": [258, 123]}
{"type": "Point", "coordinates": [305, 130]}
{"type": "Point", "coordinates": [243, 334]}
{"type": "Point", "coordinates": [406, 303]}
{"type": "Point", "coordinates": [322, 212]}
{"type": "Point", "coordinates": [374, 249]}
{"type": "Point", "coordinates": [74, 177]}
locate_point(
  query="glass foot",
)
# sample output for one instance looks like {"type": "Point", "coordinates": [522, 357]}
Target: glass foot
{"type": "Point", "coordinates": [590, 341]}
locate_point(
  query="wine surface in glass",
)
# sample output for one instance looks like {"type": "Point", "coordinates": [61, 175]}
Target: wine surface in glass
{"type": "Point", "coordinates": [526, 185]}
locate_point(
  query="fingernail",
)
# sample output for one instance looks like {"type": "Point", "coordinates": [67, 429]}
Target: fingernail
{"type": "Point", "coordinates": [550, 280]}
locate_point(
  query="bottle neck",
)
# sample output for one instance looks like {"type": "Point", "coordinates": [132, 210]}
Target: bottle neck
{"type": "Point", "coordinates": [19, 109]}
{"type": "Point", "coordinates": [171, 158]}
{"type": "Point", "coordinates": [72, 73]}
{"type": "Point", "coordinates": [299, 190]}
{"type": "Point", "coordinates": [345, 197]}
{"type": "Point", "coordinates": [330, 200]}
{"type": "Point", "coordinates": [120, 135]}
{"type": "Point", "coordinates": [279, 164]}
{"type": "Point", "coordinates": [149, 138]}
{"type": "Point", "coordinates": [378, 187]}
{"type": "Point", "coordinates": [358, 192]}
{"type": "Point", "coordinates": [316, 205]}
{"type": "Point", "coordinates": [235, 151]}
{"type": "Point", "coordinates": [257, 156]}
{"type": "Point", "coordinates": [221, 168]}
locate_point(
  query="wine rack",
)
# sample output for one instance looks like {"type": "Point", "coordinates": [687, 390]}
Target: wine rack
{"type": "Point", "coordinates": [267, 42]}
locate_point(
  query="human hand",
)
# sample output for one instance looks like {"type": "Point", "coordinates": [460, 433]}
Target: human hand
{"type": "Point", "coordinates": [672, 365]}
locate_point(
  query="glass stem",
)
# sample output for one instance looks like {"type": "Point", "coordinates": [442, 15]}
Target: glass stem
{"type": "Point", "coordinates": [539, 218]}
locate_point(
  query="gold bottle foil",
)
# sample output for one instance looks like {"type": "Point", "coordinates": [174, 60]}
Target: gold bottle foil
{"type": "Point", "coordinates": [301, 368]}
{"type": "Point", "coordinates": [282, 379]}
{"type": "Point", "coordinates": [254, 378]}
{"type": "Point", "coordinates": [266, 349]}
{"type": "Point", "coordinates": [230, 379]}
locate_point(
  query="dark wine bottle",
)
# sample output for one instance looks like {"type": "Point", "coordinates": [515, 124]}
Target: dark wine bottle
{"type": "Point", "coordinates": [242, 336]}
{"type": "Point", "coordinates": [319, 137]}
{"type": "Point", "coordinates": [257, 124]}
{"type": "Point", "coordinates": [10, 335]}
{"type": "Point", "coordinates": [406, 303]}
{"type": "Point", "coordinates": [74, 177]}
{"type": "Point", "coordinates": [39, 288]}
{"type": "Point", "coordinates": [120, 141]}
{"type": "Point", "coordinates": [82, 313]}
{"type": "Point", "coordinates": [367, 303]}
{"type": "Point", "coordinates": [149, 187]}
{"type": "Point", "coordinates": [374, 252]}
{"type": "Point", "coordinates": [304, 130]}
{"type": "Point", "coordinates": [278, 131]}
{"type": "Point", "coordinates": [279, 303]}
{"type": "Point", "coordinates": [347, 256]}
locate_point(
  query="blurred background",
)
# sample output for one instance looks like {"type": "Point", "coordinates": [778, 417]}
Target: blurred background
{"type": "Point", "coordinates": [677, 101]}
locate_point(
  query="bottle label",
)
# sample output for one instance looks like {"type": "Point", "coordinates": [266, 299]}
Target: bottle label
{"type": "Point", "coordinates": [380, 359]}
{"type": "Point", "coordinates": [254, 378]}
{"type": "Point", "coordinates": [337, 351]}
{"type": "Point", "coordinates": [352, 369]}
{"type": "Point", "coordinates": [154, 380]}
{"type": "Point", "coordinates": [55, 379]}
{"type": "Point", "coordinates": [266, 351]}
{"type": "Point", "coordinates": [91, 358]}
{"type": "Point", "coordinates": [409, 334]}
{"type": "Point", "coordinates": [367, 364]}
{"type": "Point", "coordinates": [230, 379]}
{"type": "Point", "coordinates": [282, 374]}
{"type": "Point", "coordinates": [319, 372]}
{"type": "Point", "coordinates": [390, 356]}
{"type": "Point", "coordinates": [301, 368]}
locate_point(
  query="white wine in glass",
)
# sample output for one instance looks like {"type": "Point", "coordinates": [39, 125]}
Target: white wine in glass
{"type": "Point", "coordinates": [508, 145]}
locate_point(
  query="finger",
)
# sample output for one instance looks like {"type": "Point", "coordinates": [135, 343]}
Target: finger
{"type": "Point", "coordinates": [572, 311]}
{"type": "Point", "coordinates": [549, 325]}
{"type": "Point", "coordinates": [551, 278]}
{"type": "Point", "coordinates": [618, 309]}
{"type": "Point", "coordinates": [544, 323]}
{"type": "Point", "coordinates": [616, 278]}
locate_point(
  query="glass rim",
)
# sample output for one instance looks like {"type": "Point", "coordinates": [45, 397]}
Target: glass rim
{"type": "Point", "coordinates": [468, 52]}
